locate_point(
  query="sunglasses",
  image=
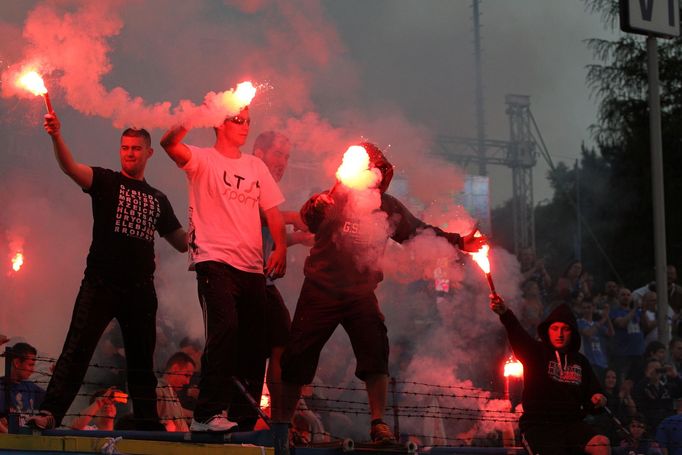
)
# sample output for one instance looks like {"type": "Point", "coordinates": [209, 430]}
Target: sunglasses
{"type": "Point", "coordinates": [238, 120]}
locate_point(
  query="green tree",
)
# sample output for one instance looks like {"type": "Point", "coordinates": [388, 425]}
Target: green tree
{"type": "Point", "coordinates": [622, 137]}
{"type": "Point", "coordinates": [578, 205]}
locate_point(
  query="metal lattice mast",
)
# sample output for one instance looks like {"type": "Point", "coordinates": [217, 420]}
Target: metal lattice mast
{"type": "Point", "coordinates": [521, 159]}
{"type": "Point", "coordinates": [478, 79]}
{"type": "Point", "coordinates": [518, 153]}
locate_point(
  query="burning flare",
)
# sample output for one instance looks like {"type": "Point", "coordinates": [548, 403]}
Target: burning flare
{"type": "Point", "coordinates": [17, 261]}
{"type": "Point", "coordinates": [244, 93]}
{"type": "Point", "coordinates": [32, 82]}
{"type": "Point", "coordinates": [481, 256]}
{"type": "Point", "coordinates": [265, 397]}
{"type": "Point", "coordinates": [235, 100]}
{"type": "Point", "coordinates": [264, 401]}
{"type": "Point", "coordinates": [513, 368]}
{"type": "Point", "coordinates": [354, 171]}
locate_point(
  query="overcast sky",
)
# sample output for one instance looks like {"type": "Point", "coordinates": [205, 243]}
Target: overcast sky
{"type": "Point", "coordinates": [411, 58]}
{"type": "Point", "coordinates": [396, 72]}
{"type": "Point", "coordinates": [420, 57]}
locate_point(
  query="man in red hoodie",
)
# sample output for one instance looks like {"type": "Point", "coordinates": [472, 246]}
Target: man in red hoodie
{"type": "Point", "coordinates": [560, 387]}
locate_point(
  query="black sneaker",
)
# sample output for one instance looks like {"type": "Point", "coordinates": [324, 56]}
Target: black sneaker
{"type": "Point", "coordinates": [381, 432]}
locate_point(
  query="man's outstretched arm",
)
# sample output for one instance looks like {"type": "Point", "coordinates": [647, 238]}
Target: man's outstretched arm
{"type": "Point", "coordinates": [409, 225]}
{"type": "Point", "coordinates": [79, 172]}
{"type": "Point", "coordinates": [294, 218]}
{"type": "Point", "coordinates": [172, 144]}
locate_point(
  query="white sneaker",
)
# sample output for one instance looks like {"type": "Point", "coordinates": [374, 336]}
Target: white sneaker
{"type": "Point", "coordinates": [218, 423]}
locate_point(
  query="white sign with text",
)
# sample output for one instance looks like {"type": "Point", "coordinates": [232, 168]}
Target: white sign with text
{"type": "Point", "coordinates": [654, 17]}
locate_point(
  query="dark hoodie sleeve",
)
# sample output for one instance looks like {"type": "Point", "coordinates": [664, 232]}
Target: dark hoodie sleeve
{"type": "Point", "coordinates": [522, 343]}
{"type": "Point", "coordinates": [591, 385]}
{"type": "Point", "coordinates": [595, 384]}
{"type": "Point", "coordinates": [407, 225]}
{"type": "Point", "coordinates": [313, 214]}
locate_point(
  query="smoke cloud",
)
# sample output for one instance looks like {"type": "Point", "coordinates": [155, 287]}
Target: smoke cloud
{"type": "Point", "coordinates": [79, 41]}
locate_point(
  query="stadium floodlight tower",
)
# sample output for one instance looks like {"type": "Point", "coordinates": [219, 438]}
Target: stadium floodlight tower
{"type": "Point", "coordinates": [521, 157]}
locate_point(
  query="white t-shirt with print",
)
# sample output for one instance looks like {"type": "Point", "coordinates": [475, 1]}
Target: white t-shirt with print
{"type": "Point", "coordinates": [225, 195]}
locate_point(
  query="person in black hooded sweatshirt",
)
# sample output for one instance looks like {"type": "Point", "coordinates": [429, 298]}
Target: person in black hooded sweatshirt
{"type": "Point", "coordinates": [343, 269]}
{"type": "Point", "coordinates": [560, 387]}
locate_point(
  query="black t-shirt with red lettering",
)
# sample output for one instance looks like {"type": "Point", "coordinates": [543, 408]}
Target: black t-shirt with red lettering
{"type": "Point", "coordinates": [126, 213]}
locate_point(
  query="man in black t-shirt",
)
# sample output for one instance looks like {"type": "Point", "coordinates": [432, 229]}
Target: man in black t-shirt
{"type": "Point", "coordinates": [342, 271]}
{"type": "Point", "coordinates": [119, 276]}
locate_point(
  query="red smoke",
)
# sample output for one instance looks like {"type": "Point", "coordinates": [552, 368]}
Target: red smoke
{"type": "Point", "coordinates": [75, 46]}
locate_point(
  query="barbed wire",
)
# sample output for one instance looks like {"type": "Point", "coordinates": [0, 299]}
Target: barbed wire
{"type": "Point", "coordinates": [353, 388]}
{"type": "Point", "coordinates": [101, 366]}
{"type": "Point", "coordinates": [358, 387]}
{"type": "Point", "coordinates": [317, 401]}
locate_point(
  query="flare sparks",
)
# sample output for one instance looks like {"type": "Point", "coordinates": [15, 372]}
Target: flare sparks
{"type": "Point", "coordinates": [32, 82]}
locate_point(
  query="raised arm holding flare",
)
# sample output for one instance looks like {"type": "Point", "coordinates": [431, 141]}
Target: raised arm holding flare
{"type": "Point", "coordinates": [78, 172]}
{"type": "Point", "coordinates": [174, 147]}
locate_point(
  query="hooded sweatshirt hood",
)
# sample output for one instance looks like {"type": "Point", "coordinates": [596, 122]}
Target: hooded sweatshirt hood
{"type": "Point", "coordinates": [379, 161]}
{"type": "Point", "coordinates": [562, 313]}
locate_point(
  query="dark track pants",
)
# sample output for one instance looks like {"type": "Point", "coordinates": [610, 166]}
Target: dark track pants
{"type": "Point", "coordinates": [233, 305]}
{"type": "Point", "coordinates": [96, 305]}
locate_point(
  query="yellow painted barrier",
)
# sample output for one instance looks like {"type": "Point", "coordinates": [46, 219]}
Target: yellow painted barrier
{"type": "Point", "coordinates": [127, 446]}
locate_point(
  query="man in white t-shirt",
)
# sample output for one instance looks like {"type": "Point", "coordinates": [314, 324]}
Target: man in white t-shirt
{"type": "Point", "coordinates": [226, 190]}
